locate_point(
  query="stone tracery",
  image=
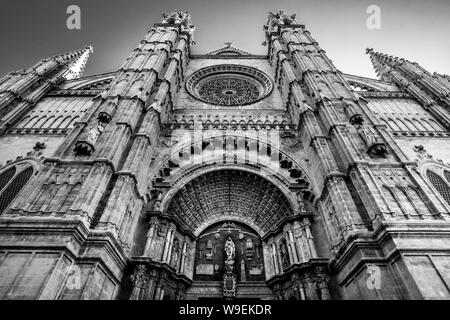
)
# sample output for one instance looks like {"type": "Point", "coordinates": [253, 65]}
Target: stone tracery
{"type": "Point", "coordinates": [229, 90]}
{"type": "Point", "coordinates": [229, 85]}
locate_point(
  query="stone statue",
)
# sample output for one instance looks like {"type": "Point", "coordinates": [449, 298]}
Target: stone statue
{"type": "Point", "coordinates": [276, 19]}
{"type": "Point", "coordinates": [287, 19]}
{"type": "Point", "coordinates": [272, 23]}
{"type": "Point", "coordinates": [186, 20]}
{"type": "Point", "coordinates": [284, 254]}
{"type": "Point", "coordinates": [94, 132]}
{"type": "Point", "coordinates": [230, 250]}
{"type": "Point", "coordinates": [375, 146]}
{"type": "Point", "coordinates": [139, 279]}
{"type": "Point", "coordinates": [187, 25]}
{"type": "Point", "coordinates": [175, 253]}
{"type": "Point", "coordinates": [86, 145]}
{"type": "Point", "coordinates": [229, 278]}
{"type": "Point", "coordinates": [174, 17]}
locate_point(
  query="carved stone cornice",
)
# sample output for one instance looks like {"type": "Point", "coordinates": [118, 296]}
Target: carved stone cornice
{"type": "Point", "coordinates": [75, 92]}
{"type": "Point", "coordinates": [384, 94]}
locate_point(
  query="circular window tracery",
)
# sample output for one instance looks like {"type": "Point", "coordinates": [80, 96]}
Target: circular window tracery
{"type": "Point", "coordinates": [229, 85]}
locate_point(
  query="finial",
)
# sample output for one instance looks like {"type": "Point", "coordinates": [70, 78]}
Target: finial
{"type": "Point", "coordinates": [228, 44]}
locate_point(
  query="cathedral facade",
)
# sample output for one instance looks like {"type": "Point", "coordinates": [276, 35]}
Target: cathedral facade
{"type": "Point", "coordinates": [224, 175]}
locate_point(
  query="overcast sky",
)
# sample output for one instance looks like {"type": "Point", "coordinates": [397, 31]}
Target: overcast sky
{"type": "Point", "coordinates": [416, 30]}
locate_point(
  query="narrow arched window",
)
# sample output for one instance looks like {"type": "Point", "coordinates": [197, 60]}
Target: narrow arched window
{"type": "Point", "coordinates": [417, 200]}
{"type": "Point", "coordinates": [393, 125]}
{"type": "Point", "coordinates": [440, 185]}
{"type": "Point", "coordinates": [12, 190]}
{"type": "Point", "coordinates": [427, 125]}
{"type": "Point", "coordinates": [6, 176]}
{"type": "Point", "coordinates": [419, 125]}
{"type": "Point", "coordinates": [405, 203]}
{"type": "Point", "coordinates": [410, 125]}
{"type": "Point", "coordinates": [391, 201]}
{"type": "Point", "coordinates": [435, 125]}
{"type": "Point", "coordinates": [402, 125]}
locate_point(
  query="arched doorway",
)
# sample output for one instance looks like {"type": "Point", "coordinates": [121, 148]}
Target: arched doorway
{"type": "Point", "coordinates": [190, 224]}
{"type": "Point", "coordinates": [245, 274]}
{"type": "Point", "coordinates": [229, 205]}
{"type": "Point", "coordinates": [211, 255]}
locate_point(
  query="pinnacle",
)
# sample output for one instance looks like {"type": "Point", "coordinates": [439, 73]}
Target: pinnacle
{"type": "Point", "coordinates": [382, 56]}
{"type": "Point", "coordinates": [75, 53]}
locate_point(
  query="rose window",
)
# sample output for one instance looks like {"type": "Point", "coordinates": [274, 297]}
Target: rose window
{"type": "Point", "coordinates": [229, 85]}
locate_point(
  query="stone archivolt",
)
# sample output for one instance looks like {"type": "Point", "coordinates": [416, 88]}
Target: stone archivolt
{"type": "Point", "coordinates": [230, 193]}
{"type": "Point", "coordinates": [248, 152]}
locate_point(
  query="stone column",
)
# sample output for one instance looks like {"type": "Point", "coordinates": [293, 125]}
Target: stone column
{"type": "Point", "coordinates": [166, 245]}
{"type": "Point", "coordinates": [157, 293]}
{"type": "Point", "coordinates": [268, 261]}
{"type": "Point", "coordinates": [324, 291]}
{"type": "Point", "coordinates": [170, 247]}
{"type": "Point", "coordinates": [301, 291]}
{"type": "Point", "coordinates": [298, 241]}
{"type": "Point", "coordinates": [161, 294]}
{"type": "Point", "coordinates": [151, 288]}
{"type": "Point", "coordinates": [183, 257]}
{"type": "Point", "coordinates": [274, 258]}
{"type": "Point", "coordinates": [293, 246]}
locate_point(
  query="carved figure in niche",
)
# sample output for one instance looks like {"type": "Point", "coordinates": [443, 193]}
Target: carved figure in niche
{"type": "Point", "coordinates": [300, 201]}
{"type": "Point", "coordinates": [375, 146]}
{"type": "Point", "coordinates": [274, 20]}
{"type": "Point", "coordinates": [139, 279]}
{"type": "Point", "coordinates": [175, 252]}
{"type": "Point", "coordinates": [355, 118]}
{"type": "Point", "coordinates": [174, 17]}
{"type": "Point", "coordinates": [230, 250]}
{"type": "Point", "coordinates": [94, 132]}
{"type": "Point", "coordinates": [162, 230]}
{"type": "Point", "coordinates": [86, 145]}
{"type": "Point", "coordinates": [287, 19]}
{"type": "Point", "coordinates": [186, 21]}
{"type": "Point", "coordinates": [157, 205]}
{"type": "Point", "coordinates": [284, 254]}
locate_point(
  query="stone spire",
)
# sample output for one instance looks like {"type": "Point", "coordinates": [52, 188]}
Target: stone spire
{"type": "Point", "coordinates": [412, 77]}
{"type": "Point", "coordinates": [77, 66]}
{"type": "Point", "coordinates": [20, 90]}
{"type": "Point", "coordinates": [380, 62]}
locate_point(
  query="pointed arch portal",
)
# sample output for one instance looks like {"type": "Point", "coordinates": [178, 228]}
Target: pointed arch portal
{"type": "Point", "coordinates": [233, 195]}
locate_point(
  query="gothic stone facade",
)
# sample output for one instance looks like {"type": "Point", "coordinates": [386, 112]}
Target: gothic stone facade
{"type": "Point", "coordinates": [184, 176]}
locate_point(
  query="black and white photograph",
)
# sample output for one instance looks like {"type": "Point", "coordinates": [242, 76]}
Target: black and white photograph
{"type": "Point", "coordinates": [225, 156]}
